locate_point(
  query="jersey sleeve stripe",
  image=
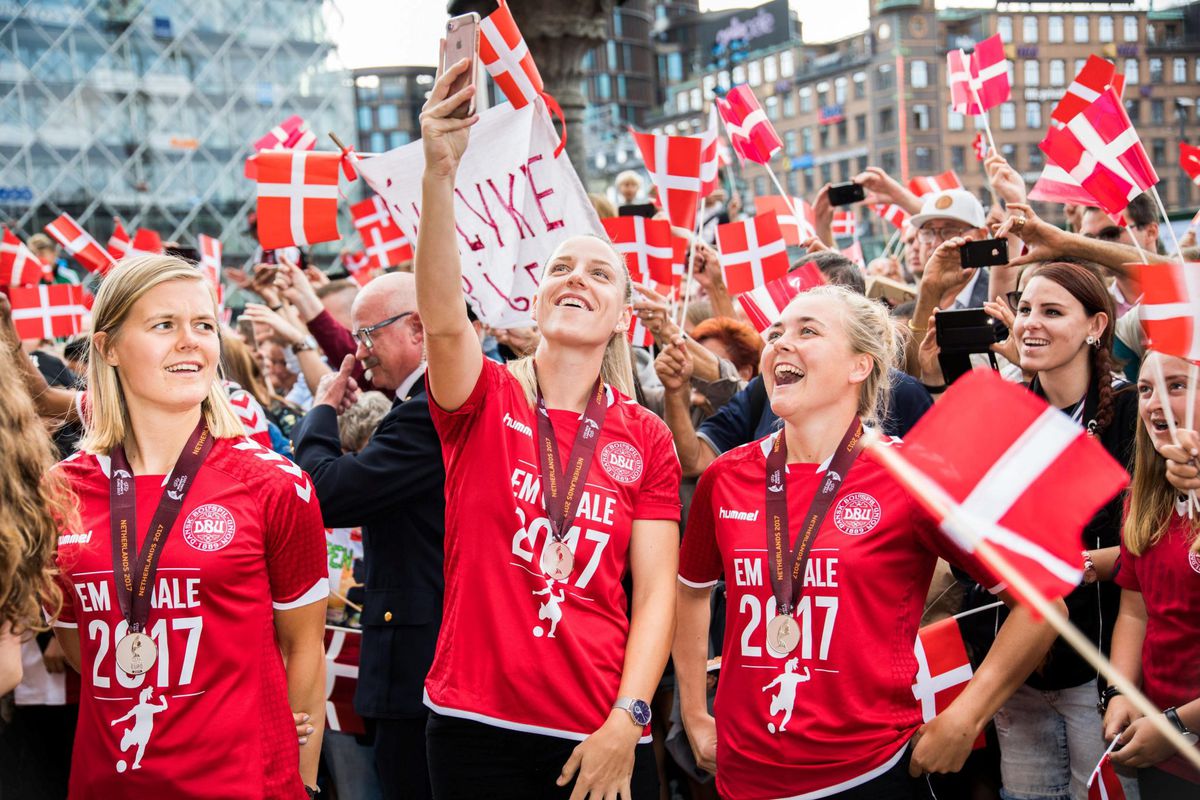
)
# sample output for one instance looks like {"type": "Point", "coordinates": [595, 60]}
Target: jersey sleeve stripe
{"type": "Point", "coordinates": [694, 585]}
{"type": "Point", "coordinates": [319, 591]}
{"type": "Point", "coordinates": [712, 445]}
{"type": "Point", "coordinates": [58, 623]}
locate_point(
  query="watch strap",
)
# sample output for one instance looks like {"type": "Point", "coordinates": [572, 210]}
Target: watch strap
{"type": "Point", "coordinates": [1172, 715]}
{"type": "Point", "coordinates": [626, 704]}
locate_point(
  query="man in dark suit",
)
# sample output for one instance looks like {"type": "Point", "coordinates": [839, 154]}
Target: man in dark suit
{"type": "Point", "coordinates": [393, 488]}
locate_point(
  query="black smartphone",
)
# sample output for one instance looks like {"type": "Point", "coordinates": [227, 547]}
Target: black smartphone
{"type": "Point", "coordinates": [985, 253]}
{"type": "Point", "coordinates": [843, 194]}
{"type": "Point", "coordinates": [646, 210]}
{"type": "Point", "coordinates": [269, 257]}
{"type": "Point", "coordinates": [962, 333]}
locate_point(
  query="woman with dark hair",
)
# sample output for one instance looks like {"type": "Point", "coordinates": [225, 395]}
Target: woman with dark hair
{"type": "Point", "coordinates": [1156, 643]}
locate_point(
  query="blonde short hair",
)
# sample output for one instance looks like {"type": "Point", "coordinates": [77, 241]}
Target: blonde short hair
{"type": "Point", "coordinates": [107, 423]}
{"type": "Point", "coordinates": [869, 328]}
{"type": "Point", "coordinates": [628, 175]}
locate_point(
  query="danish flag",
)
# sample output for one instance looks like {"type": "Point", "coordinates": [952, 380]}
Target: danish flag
{"type": "Point", "coordinates": [1170, 308]}
{"type": "Point", "coordinates": [1100, 149]}
{"type": "Point", "coordinates": [210, 262]}
{"type": "Point", "coordinates": [645, 244]}
{"type": "Point", "coordinates": [18, 265]}
{"type": "Point", "coordinates": [507, 58]}
{"type": "Point", "coordinates": [1025, 481]}
{"type": "Point", "coordinates": [980, 146]}
{"type": "Point", "coordinates": [923, 185]}
{"type": "Point", "coordinates": [291, 134]}
{"type": "Point", "coordinates": [80, 244]}
{"type": "Point", "coordinates": [943, 669]}
{"type": "Point", "coordinates": [674, 164]}
{"type": "Point", "coordinates": [752, 252]}
{"type": "Point", "coordinates": [679, 258]}
{"type": "Point", "coordinates": [119, 242]}
{"type": "Point", "coordinates": [845, 225]}
{"type": "Point", "coordinates": [1093, 79]}
{"type": "Point", "coordinates": [638, 334]}
{"type": "Point", "coordinates": [146, 242]}
{"type": "Point", "coordinates": [297, 198]}
{"type": "Point", "coordinates": [1189, 160]}
{"type": "Point", "coordinates": [892, 213]}
{"type": "Point", "coordinates": [386, 247]}
{"type": "Point", "coordinates": [765, 304]}
{"type": "Point", "coordinates": [47, 311]}
{"type": "Point", "coordinates": [981, 81]}
{"type": "Point", "coordinates": [372, 211]}
{"type": "Point", "coordinates": [797, 228]}
{"type": "Point", "coordinates": [342, 649]}
{"type": "Point", "coordinates": [1055, 185]}
{"type": "Point", "coordinates": [1104, 784]}
{"type": "Point", "coordinates": [750, 132]}
{"type": "Point", "coordinates": [710, 157]}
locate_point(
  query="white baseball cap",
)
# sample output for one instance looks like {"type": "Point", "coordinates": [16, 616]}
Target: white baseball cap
{"type": "Point", "coordinates": [955, 204]}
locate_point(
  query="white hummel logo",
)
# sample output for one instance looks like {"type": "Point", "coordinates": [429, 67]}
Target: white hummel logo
{"type": "Point", "coordinates": [743, 516]}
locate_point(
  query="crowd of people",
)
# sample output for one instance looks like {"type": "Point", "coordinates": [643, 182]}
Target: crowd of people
{"type": "Point", "coordinates": [553, 542]}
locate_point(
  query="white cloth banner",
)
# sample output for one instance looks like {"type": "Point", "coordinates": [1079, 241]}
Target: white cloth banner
{"type": "Point", "coordinates": [514, 203]}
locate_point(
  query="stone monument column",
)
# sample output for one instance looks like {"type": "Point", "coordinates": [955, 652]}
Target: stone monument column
{"type": "Point", "coordinates": [559, 33]}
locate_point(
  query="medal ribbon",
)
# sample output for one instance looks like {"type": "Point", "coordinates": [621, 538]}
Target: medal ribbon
{"type": "Point", "coordinates": [136, 570]}
{"type": "Point", "coordinates": [562, 506]}
{"type": "Point", "coordinates": [788, 584]}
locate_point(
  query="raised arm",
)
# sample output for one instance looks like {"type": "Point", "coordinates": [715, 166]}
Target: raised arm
{"type": "Point", "coordinates": [452, 348]}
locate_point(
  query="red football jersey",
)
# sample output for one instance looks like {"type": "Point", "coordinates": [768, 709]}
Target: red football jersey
{"type": "Point", "coordinates": [211, 718]}
{"type": "Point", "coordinates": [518, 649]}
{"type": "Point", "coordinates": [838, 710]}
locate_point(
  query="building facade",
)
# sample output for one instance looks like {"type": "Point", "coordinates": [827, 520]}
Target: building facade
{"type": "Point", "coordinates": [147, 111]}
{"type": "Point", "coordinates": [387, 105]}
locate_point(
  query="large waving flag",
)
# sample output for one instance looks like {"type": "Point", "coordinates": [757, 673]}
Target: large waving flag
{"type": "Point", "coordinates": [47, 311]}
{"type": "Point", "coordinates": [752, 252]}
{"type": "Point", "coordinates": [297, 198]}
{"type": "Point", "coordinates": [645, 244]}
{"type": "Point", "coordinates": [18, 265]}
{"type": "Point", "coordinates": [798, 227]}
{"type": "Point", "coordinates": [979, 82]}
{"type": "Point", "coordinates": [1170, 308]}
{"type": "Point", "coordinates": [80, 244]}
{"type": "Point", "coordinates": [507, 59]}
{"type": "Point", "coordinates": [1093, 79]}
{"type": "Point", "coordinates": [674, 164]}
{"type": "Point", "coordinates": [764, 304]}
{"type": "Point", "coordinates": [750, 132]}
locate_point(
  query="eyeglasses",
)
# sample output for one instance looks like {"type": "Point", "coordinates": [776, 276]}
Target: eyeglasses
{"type": "Point", "coordinates": [1112, 233]}
{"type": "Point", "coordinates": [363, 335]}
{"type": "Point", "coordinates": [1013, 299]}
{"type": "Point", "coordinates": [930, 235]}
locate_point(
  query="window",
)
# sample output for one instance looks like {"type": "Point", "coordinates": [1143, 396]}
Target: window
{"type": "Point", "coordinates": [1156, 70]}
{"type": "Point", "coordinates": [810, 179]}
{"type": "Point", "coordinates": [1106, 29]}
{"type": "Point", "coordinates": [1058, 72]}
{"type": "Point", "coordinates": [1029, 30]}
{"type": "Point", "coordinates": [887, 161]}
{"type": "Point", "coordinates": [823, 136]}
{"type": "Point", "coordinates": [1157, 113]}
{"type": "Point", "coordinates": [884, 79]}
{"type": "Point", "coordinates": [924, 160]}
{"type": "Point", "coordinates": [754, 73]}
{"type": "Point", "coordinates": [958, 158]}
{"type": "Point", "coordinates": [1081, 29]}
{"type": "Point", "coordinates": [772, 106]}
{"type": "Point", "coordinates": [681, 102]}
{"type": "Point", "coordinates": [1131, 71]}
{"type": "Point", "coordinates": [823, 93]}
{"type": "Point", "coordinates": [1158, 151]}
{"type": "Point", "coordinates": [760, 186]}
{"type": "Point", "coordinates": [1129, 29]}
{"type": "Point", "coordinates": [1036, 158]}
{"type": "Point", "coordinates": [827, 172]}
{"type": "Point", "coordinates": [378, 142]}
{"type": "Point", "coordinates": [887, 120]}
{"type": "Point", "coordinates": [1033, 116]}
{"type": "Point", "coordinates": [398, 139]}
{"type": "Point", "coordinates": [694, 96]}
{"type": "Point", "coordinates": [1054, 30]}
{"type": "Point", "coordinates": [709, 84]}
{"type": "Point", "coordinates": [789, 143]}
{"type": "Point", "coordinates": [1009, 151]}
{"type": "Point", "coordinates": [1179, 70]}
{"type": "Point", "coordinates": [921, 117]}
{"type": "Point", "coordinates": [844, 170]}
{"type": "Point", "coordinates": [806, 99]}
{"type": "Point", "coordinates": [1197, 73]}
{"type": "Point", "coordinates": [839, 90]}
{"type": "Point", "coordinates": [954, 120]}
{"type": "Point", "coordinates": [364, 118]}
{"type": "Point", "coordinates": [1008, 116]}
{"type": "Point", "coordinates": [789, 105]}
{"type": "Point", "coordinates": [723, 78]}
{"type": "Point", "coordinates": [806, 142]}
{"type": "Point", "coordinates": [860, 127]}
{"type": "Point", "coordinates": [389, 117]}
{"type": "Point", "coordinates": [860, 82]}
{"type": "Point", "coordinates": [769, 72]}
{"type": "Point", "coordinates": [604, 90]}
{"type": "Point", "coordinates": [787, 64]}
{"type": "Point", "coordinates": [1133, 110]}
{"type": "Point", "coordinates": [1004, 28]}
{"type": "Point", "coordinates": [1033, 76]}
{"type": "Point", "coordinates": [919, 74]}
{"type": "Point", "coordinates": [739, 74]}
{"type": "Point", "coordinates": [1078, 65]}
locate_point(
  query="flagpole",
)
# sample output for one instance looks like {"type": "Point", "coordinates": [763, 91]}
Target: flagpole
{"type": "Point", "coordinates": [987, 128]}
{"type": "Point", "coordinates": [787, 198]}
{"type": "Point", "coordinates": [936, 501]}
{"type": "Point", "coordinates": [1167, 221]}
{"type": "Point", "coordinates": [891, 242]}
{"type": "Point", "coordinates": [687, 288]}
{"type": "Point", "coordinates": [981, 609]}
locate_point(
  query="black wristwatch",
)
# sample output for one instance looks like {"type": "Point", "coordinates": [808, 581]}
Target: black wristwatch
{"type": "Point", "coordinates": [312, 793]}
{"type": "Point", "coordinates": [1106, 697]}
{"type": "Point", "coordinates": [1172, 715]}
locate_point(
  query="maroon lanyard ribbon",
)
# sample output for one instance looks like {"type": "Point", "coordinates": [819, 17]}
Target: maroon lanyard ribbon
{"type": "Point", "coordinates": [562, 506]}
{"type": "Point", "coordinates": [787, 584]}
{"type": "Point", "coordinates": [134, 598]}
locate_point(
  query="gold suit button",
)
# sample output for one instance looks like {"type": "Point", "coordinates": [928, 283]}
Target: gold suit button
{"type": "Point", "coordinates": [387, 616]}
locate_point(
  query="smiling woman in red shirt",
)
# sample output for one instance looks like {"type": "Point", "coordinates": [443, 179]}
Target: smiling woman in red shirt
{"type": "Point", "coordinates": [816, 694]}
{"type": "Point", "coordinates": [557, 486]}
{"type": "Point", "coordinates": [195, 586]}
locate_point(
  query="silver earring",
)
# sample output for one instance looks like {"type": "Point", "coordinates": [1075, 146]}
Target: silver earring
{"type": "Point", "coordinates": [1092, 340]}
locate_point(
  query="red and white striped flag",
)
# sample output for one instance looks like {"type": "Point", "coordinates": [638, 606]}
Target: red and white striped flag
{"type": "Point", "coordinates": [797, 228]}
{"type": "Point", "coordinates": [120, 241]}
{"type": "Point", "coordinates": [710, 157]}
{"type": "Point", "coordinates": [1100, 149]}
{"type": "Point", "coordinates": [342, 649]}
{"type": "Point", "coordinates": [507, 59]}
{"type": "Point", "coordinates": [1026, 481]}
{"type": "Point", "coordinates": [1104, 783]}
{"type": "Point", "coordinates": [750, 132]}
{"type": "Point", "coordinates": [1170, 308]}
{"type": "Point", "coordinates": [764, 305]}
{"type": "Point", "coordinates": [210, 264]}
{"type": "Point", "coordinates": [892, 213]}
{"type": "Point", "coordinates": [297, 198]}
{"type": "Point", "coordinates": [386, 247]}
{"type": "Point", "coordinates": [752, 252]}
{"type": "Point", "coordinates": [981, 81]}
{"type": "Point", "coordinates": [291, 134]}
{"type": "Point", "coordinates": [845, 225]}
{"type": "Point", "coordinates": [680, 248]}
{"type": "Point", "coordinates": [80, 244]}
{"type": "Point", "coordinates": [18, 265]}
{"type": "Point", "coordinates": [638, 334]}
{"type": "Point", "coordinates": [674, 164]}
{"type": "Point", "coordinates": [146, 243]}
{"type": "Point", "coordinates": [645, 244]}
{"type": "Point", "coordinates": [923, 185]}
{"type": "Point", "coordinates": [1093, 79]}
{"type": "Point", "coordinates": [1055, 185]}
{"type": "Point", "coordinates": [372, 211]}
{"type": "Point", "coordinates": [943, 669]}
{"type": "Point", "coordinates": [1189, 161]}
{"type": "Point", "coordinates": [980, 146]}
{"type": "Point", "coordinates": [47, 311]}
